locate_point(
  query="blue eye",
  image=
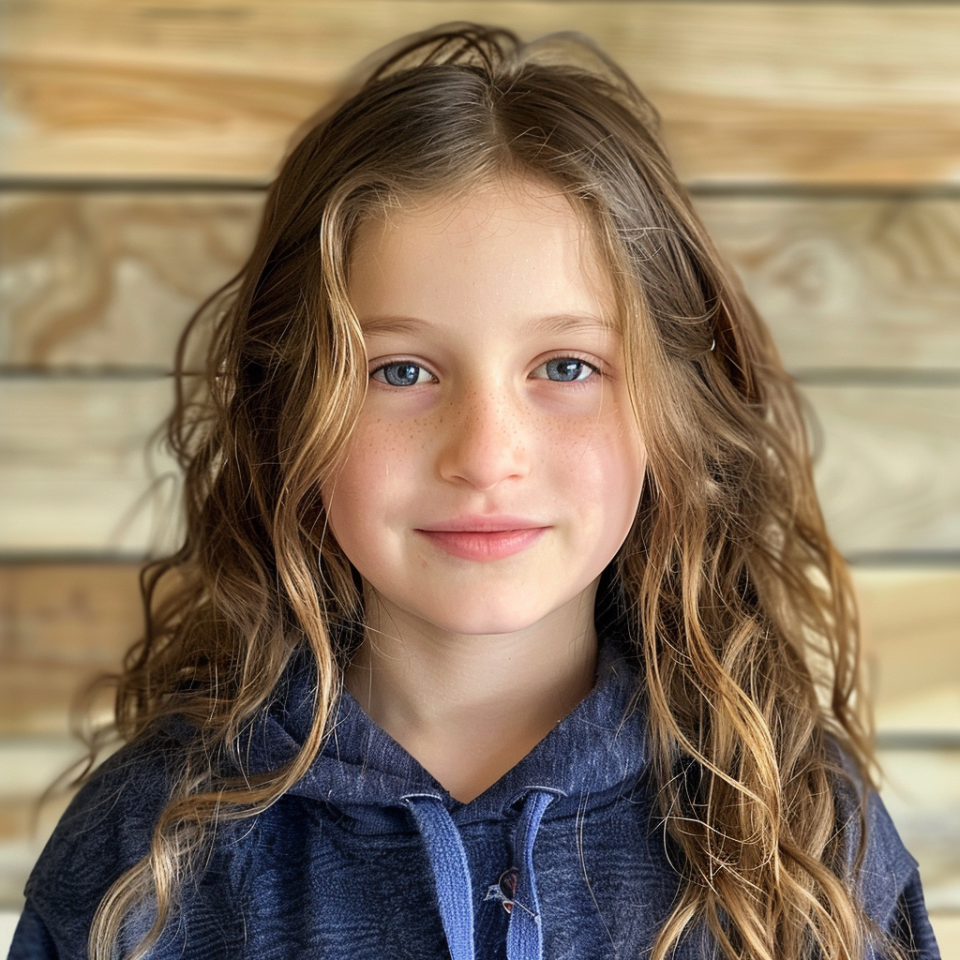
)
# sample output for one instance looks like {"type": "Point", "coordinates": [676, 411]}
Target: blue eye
{"type": "Point", "coordinates": [403, 373]}
{"type": "Point", "coordinates": [565, 369]}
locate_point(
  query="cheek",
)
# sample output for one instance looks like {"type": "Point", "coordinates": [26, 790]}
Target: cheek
{"type": "Point", "coordinates": [379, 468]}
{"type": "Point", "coordinates": [606, 470]}
{"type": "Point", "coordinates": [347, 498]}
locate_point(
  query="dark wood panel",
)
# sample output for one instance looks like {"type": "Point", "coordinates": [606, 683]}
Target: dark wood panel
{"type": "Point", "coordinates": [61, 623]}
{"type": "Point", "coordinates": [108, 280]}
{"type": "Point", "coordinates": [69, 613]}
{"type": "Point", "coordinates": [838, 92]}
{"type": "Point", "coordinates": [40, 695]}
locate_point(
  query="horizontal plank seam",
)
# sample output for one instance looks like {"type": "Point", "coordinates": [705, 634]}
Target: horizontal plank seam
{"type": "Point", "coordinates": [15, 371]}
{"type": "Point", "coordinates": [132, 185]}
{"type": "Point", "coordinates": [918, 740]}
{"type": "Point", "coordinates": [906, 558]}
{"type": "Point", "coordinates": [184, 13]}
{"type": "Point", "coordinates": [877, 376]}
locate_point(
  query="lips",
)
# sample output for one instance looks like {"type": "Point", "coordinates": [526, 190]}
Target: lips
{"type": "Point", "coordinates": [483, 537]}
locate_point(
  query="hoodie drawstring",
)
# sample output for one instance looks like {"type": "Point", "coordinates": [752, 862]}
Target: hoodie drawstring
{"type": "Point", "coordinates": [451, 873]}
{"type": "Point", "coordinates": [525, 931]}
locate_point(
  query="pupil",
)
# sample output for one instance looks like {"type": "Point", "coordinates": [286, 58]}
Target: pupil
{"type": "Point", "coordinates": [402, 374]}
{"type": "Point", "coordinates": [566, 369]}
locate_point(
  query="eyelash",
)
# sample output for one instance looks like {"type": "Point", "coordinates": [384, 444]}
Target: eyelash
{"type": "Point", "coordinates": [593, 367]}
{"type": "Point", "coordinates": [396, 363]}
{"type": "Point", "coordinates": [559, 356]}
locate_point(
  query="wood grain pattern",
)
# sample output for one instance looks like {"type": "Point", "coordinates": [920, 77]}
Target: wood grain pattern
{"type": "Point", "coordinates": [834, 92]}
{"type": "Point", "coordinates": [75, 474]}
{"type": "Point", "coordinates": [849, 283]}
{"type": "Point", "coordinates": [786, 92]}
{"type": "Point", "coordinates": [104, 281]}
{"type": "Point", "coordinates": [71, 613]}
{"type": "Point", "coordinates": [911, 626]}
{"type": "Point", "coordinates": [888, 466]}
{"type": "Point", "coordinates": [61, 623]}
{"type": "Point", "coordinates": [77, 469]}
{"type": "Point", "coordinates": [108, 280]}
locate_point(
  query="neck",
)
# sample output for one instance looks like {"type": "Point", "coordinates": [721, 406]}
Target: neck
{"type": "Point", "coordinates": [469, 707]}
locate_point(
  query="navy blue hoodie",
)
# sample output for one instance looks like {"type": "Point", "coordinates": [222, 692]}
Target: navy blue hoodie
{"type": "Point", "coordinates": [369, 858]}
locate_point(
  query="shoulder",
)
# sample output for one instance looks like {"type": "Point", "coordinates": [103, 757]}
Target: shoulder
{"type": "Point", "coordinates": [887, 878]}
{"type": "Point", "coordinates": [106, 829]}
{"type": "Point", "coordinates": [889, 884]}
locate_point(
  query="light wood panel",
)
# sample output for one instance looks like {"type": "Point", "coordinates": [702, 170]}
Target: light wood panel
{"type": "Point", "coordinates": [849, 283]}
{"type": "Point", "coordinates": [946, 927]}
{"type": "Point", "coordinates": [911, 627]}
{"type": "Point", "coordinates": [922, 794]}
{"type": "Point", "coordinates": [888, 466]}
{"type": "Point", "coordinates": [74, 475]}
{"type": "Point", "coordinates": [108, 280]}
{"type": "Point", "coordinates": [793, 93]}
{"type": "Point", "coordinates": [29, 766]}
{"type": "Point", "coordinates": [840, 92]}
{"type": "Point", "coordinates": [62, 623]}
{"type": "Point", "coordinates": [76, 471]}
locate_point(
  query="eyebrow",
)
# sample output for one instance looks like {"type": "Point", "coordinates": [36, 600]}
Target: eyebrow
{"type": "Point", "coordinates": [567, 323]}
{"type": "Point", "coordinates": [552, 323]}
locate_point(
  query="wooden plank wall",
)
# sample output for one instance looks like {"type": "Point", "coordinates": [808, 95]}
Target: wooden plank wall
{"type": "Point", "coordinates": [821, 142]}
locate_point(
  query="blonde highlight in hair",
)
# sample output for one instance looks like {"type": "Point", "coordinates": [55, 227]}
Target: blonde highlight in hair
{"type": "Point", "coordinates": [734, 600]}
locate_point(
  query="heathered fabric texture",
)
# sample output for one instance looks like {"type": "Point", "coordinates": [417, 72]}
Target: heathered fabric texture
{"type": "Point", "coordinates": [343, 867]}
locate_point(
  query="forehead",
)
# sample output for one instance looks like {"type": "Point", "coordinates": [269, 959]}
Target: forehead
{"type": "Point", "coordinates": [515, 247]}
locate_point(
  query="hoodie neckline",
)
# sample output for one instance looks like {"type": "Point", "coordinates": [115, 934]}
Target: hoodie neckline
{"type": "Point", "coordinates": [591, 756]}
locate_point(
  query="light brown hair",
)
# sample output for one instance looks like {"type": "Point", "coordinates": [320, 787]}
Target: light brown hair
{"type": "Point", "coordinates": [735, 602]}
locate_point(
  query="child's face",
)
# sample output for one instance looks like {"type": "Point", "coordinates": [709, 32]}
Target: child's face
{"type": "Point", "coordinates": [496, 468]}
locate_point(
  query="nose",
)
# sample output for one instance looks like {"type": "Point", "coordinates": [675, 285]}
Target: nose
{"type": "Point", "coordinates": [485, 440]}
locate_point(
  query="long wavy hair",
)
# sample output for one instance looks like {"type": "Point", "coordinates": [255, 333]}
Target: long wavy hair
{"type": "Point", "coordinates": [738, 607]}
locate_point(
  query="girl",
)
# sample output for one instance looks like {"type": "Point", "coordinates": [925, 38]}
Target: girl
{"type": "Point", "coordinates": [506, 623]}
